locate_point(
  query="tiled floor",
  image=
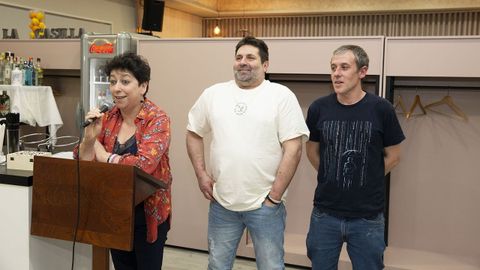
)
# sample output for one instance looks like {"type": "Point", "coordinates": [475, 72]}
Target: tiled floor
{"type": "Point", "coordinates": [184, 259]}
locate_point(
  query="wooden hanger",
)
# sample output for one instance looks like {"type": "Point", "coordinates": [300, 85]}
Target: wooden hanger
{"type": "Point", "coordinates": [400, 104]}
{"type": "Point", "coordinates": [416, 102]}
{"type": "Point", "coordinates": [448, 100]}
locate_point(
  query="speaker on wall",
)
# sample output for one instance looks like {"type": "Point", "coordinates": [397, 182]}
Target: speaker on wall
{"type": "Point", "coordinates": [153, 15]}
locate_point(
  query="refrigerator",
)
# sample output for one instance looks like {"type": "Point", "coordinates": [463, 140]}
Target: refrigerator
{"type": "Point", "coordinates": [97, 49]}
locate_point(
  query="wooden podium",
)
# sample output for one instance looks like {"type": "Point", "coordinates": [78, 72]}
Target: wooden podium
{"type": "Point", "coordinates": [108, 196]}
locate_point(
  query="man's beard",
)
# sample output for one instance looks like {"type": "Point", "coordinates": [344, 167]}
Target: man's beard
{"type": "Point", "coordinates": [244, 77]}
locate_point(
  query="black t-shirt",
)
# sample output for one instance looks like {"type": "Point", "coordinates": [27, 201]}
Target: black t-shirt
{"type": "Point", "coordinates": [352, 138]}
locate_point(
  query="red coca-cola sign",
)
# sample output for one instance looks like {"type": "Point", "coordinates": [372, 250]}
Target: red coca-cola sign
{"type": "Point", "coordinates": [104, 48]}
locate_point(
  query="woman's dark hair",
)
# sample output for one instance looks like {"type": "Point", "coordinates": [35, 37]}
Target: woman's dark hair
{"type": "Point", "coordinates": [133, 63]}
{"type": "Point", "coordinates": [257, 43]}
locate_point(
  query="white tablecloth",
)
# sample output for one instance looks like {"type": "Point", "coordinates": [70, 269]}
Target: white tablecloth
{"type": "Point", "coordinates": [36, 106]}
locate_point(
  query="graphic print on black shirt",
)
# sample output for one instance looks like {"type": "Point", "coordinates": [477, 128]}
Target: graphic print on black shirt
{"type": "Point", "coordinates": [346, 155]}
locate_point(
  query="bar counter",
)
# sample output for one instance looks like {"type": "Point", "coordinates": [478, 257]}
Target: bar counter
{"type": "Point", "coordinates": [15, 177]}
{"type": "Point", "coordinates": [18, 249]}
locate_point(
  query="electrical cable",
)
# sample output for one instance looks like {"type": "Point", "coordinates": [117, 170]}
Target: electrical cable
{"type": "Point", "coordinates": [77, 219]}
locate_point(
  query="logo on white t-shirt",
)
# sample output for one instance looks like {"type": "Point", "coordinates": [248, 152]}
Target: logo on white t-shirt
{"type": "Point", "coordinates": [240, 108]}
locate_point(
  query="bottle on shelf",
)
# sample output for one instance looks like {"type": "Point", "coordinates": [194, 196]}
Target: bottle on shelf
{"type": "Point", "coordinates": [4, 104]}
{"type": "Point", "coordinates": [34, 72]}
{"type": "Point", "coordinates": [2, 66]}
{"type": "Point", "coordinates": [7, 71]}
{"type": "Point", "coordinates": [100, 76]}
{"type": "Point", "coordinates": [39, 72]}
{"type": "Point", "coordinates": [17, 76]}
{"type": "Point", "coordinates": [23, 69]}
{"type": "Point", "coordinates": [29, 77]}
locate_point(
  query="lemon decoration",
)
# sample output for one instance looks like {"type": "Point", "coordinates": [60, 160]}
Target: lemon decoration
{"type": "Point", "coordinates": [37, 23]}
{"type": "Point", "coordinates": [40, 16]}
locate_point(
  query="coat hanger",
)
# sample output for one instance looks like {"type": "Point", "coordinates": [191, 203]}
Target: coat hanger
{"type": "Point", "coordinates": [416, 102]}
{"type": "Point", "coordinates": [448, 100]}
{"type": "Point", "coordinates": [400, 104]}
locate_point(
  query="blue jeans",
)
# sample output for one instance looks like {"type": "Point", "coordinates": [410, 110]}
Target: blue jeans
{"type": "Point", "coordinates": [266, 227]}
{"type": "Point", "coordinates": [364, 238]}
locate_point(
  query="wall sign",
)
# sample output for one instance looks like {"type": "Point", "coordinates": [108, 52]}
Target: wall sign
{"type": "Point", "coordinates": [59, 33]}
{"type": "Point", "coordinates": [17, 16]}
{"type": "Point", "coordinates": [13, 33]}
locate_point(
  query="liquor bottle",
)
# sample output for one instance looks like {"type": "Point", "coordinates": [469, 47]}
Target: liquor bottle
{"type": "Point", "coordinates": [24, 70]}
{"type": "Point", "coordinates": [2, 67]}
{"type": "Point", "coordinates": [29, 73]}
{"type": "Point", "coordinates": [101, 76]}
{"type": "Point", "coordinates": [7, 71]}
{"type": "Point", "coordinates": [39, 73]}
{"type": "Point", "coordinates": [34, 72]}
{"type": "Point", "coordinates": [17, 76]}
{"type": "Point", "coordinates": [4, 104]}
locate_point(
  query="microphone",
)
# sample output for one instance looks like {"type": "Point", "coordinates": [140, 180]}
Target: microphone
{"type": "Point", "coordinates": [104, 108]}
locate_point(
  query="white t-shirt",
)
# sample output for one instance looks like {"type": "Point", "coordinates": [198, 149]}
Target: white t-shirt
{"type": "Point", "coordinates": [247, 128]}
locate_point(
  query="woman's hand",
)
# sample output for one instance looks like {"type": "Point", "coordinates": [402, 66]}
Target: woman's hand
{"type": "Point", "coordinates": [93, 130]}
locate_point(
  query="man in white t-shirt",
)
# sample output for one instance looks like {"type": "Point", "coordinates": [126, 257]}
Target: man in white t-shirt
{"type": "Point", "coordinates": [256, 129]}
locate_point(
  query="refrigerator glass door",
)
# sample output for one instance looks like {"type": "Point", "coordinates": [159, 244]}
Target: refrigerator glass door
{"type": "Point", "coordinates": [99, 83]}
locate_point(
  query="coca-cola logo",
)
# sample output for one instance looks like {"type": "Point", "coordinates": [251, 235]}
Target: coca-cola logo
{"type": "Point", "coordinates": [106, 48]}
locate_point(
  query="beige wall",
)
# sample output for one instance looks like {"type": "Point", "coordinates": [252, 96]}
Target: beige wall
{"type": "Point", "coordinates": [122, 14]}
{"type": "Point", "coordinates": [177, 24]}
{"type": "Point", "coordinates": [434, 190]}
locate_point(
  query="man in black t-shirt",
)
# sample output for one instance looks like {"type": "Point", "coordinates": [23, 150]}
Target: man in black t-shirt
{"type": "Point", "coordinates": [354, 141]}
